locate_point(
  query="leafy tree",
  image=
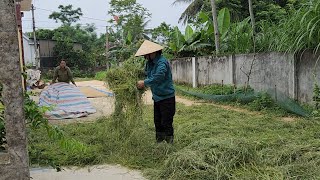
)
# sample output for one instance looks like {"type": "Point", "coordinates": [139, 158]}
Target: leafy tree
{"type": "Point", "coordinates": [132, 18]}
{"type": "Point", "coordinates": [129, 28]}
{"type": "Point", "coordinates": [67, 15]}
{"type": "Point", "coordinates": [42, 34]}
{"type": "Point", "coordinates": [161, 33]}
{"type": "Point", "coordinates": [270, 10]}
{"type": "Point", "coordinates": [93, 47]}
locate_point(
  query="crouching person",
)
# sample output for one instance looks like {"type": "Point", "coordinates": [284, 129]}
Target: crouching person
{"type": "Point", "coordinates": [63, 73]}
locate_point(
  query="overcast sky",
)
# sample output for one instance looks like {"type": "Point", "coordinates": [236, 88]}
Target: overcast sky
{"type": "Point", "coordinates": [95, 11]}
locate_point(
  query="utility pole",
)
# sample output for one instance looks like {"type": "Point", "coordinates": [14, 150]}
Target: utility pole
{"type": "Point", "coordinates": [35, 39]}
{"type": "Point", "coordinates": [107, 47]}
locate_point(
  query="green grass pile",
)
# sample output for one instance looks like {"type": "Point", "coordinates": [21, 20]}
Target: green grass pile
{"type": "Point", "coordinates": [122, 80]}
{"type": "Point", "coordinates": [208, 158]}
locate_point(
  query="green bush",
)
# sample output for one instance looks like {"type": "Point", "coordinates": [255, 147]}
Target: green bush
{"type": "Point", "coordinates": [80, 73]}
{"type": "Point", "coordinates": [264, 101]}
{"type": "Point", "coordinates": [101, 76]}
{"type": "Point", "coordinates": [47, 75]}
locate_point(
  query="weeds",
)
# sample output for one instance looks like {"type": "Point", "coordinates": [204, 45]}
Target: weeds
{"type": "Point", "coordinates": [264, 101]}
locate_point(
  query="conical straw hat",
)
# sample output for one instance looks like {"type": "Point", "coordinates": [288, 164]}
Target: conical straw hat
{"type": "Point", "coordinates": [148, 47]}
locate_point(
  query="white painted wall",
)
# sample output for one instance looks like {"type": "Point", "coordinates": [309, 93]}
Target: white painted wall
{"type": "Point", "coordinates": [29, 53]}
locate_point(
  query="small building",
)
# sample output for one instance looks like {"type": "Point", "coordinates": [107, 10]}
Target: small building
{"type": "Point", "coordinates": [47, 57]}
{"type": "Point", "coordinates": [46, 52]}
{"type": "Point", "coordinates": [28, 51]}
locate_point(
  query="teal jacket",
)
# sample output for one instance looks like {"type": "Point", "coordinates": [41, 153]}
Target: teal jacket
{"type": "Point", "coordinates": [159, 79]}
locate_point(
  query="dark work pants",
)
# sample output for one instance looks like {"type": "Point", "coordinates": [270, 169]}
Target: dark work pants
{"type": "Point", "coordinates": [163, 119]}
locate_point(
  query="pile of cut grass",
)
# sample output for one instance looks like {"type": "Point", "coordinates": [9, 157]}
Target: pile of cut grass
{"type": "Point", "coordinates": [210, 143]}
{"type": "Point", "coordinates": [122, 80]}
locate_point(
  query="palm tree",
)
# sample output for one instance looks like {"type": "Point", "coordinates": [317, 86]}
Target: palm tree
{"type": "Point", "coordinates": [215, 26]}
{"type": "Point", "coordinates": [195, 6]}
{"type": "Point", "coordinates": [252, 23]}
{"type": "Point", "coordinates": [12, 93]}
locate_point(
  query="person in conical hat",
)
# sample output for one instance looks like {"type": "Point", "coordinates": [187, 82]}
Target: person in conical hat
{"type": "Point", "coordinates": [159, 79]}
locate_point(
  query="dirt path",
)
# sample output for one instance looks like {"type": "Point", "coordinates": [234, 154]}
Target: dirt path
{"type": "Point", "coordinates": [187, 102]}
{"type": "Point", "coordinates": [102, 172]}
{"type": "Point", "coordinates": [148, 100]}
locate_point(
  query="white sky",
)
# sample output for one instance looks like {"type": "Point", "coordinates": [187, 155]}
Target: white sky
{"type": "Point", "coordinates": [96, 11]}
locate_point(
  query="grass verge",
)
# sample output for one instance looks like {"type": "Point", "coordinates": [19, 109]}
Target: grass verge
{"type": "Point", "coordinates": [263, 103]}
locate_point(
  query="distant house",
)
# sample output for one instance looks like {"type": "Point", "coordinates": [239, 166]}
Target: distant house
{"type": "Point", "coordinates": [46, 51]}
{"type": "Point", "coordinates": [47, 58]}
{"type": "Point", "coordinates": [28, 51]}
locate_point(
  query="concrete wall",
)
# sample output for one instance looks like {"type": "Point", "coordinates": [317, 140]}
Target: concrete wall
{"type": "Point", "coordinates": [308, 71]}
{"type": "Point", "coordinates": [29, 52]}
{"type": "Point", "coordinates": [273, 72]}
{"type": "Point", "coordinates": [270, 72]}
{"type": "Point", "coordinates": [213, 70]}
{"type": "Point", "coordinates": [182, 70]}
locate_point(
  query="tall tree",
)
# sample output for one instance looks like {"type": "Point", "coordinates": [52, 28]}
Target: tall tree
{"type": "Point", "coordinates": [252, 23]}
{"type": "Point", "coordinates": [238, 9]}
{"type": "Point", "coordinates": [161, 34]}
{"type": "Point", "coordinates": [12, 93]}
{"type": "Point", "coordinates": [67, 15]}
{"type": "Point", "coordinates": [194, 7]}
{"type": "Point", "coordinates": [132, 18]}
{"type": "Point", "coordinates": [215, 25]}
{"type": "Point", "coordinates": [128, 27]}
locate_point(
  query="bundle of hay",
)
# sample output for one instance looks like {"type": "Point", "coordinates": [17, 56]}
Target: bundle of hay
{"type": "Point", "coordinates": [123, 82]}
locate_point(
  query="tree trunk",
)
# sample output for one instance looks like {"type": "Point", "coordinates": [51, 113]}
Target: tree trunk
{"type": "Point", "coordinates": [252, 24]}
{"type": "Point", "coordinates": [12, 93]}
{"type": "Point", "coordinates": [215, 25]}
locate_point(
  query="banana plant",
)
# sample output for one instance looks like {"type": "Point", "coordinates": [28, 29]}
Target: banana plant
{"type": "Point", "coordinates": [177, 41]}
{"type": "Point", "coordinates": [207, 28]}
{"type": "Point", "coordinates": [224, 22]}
{"type": "Point", "coordinates": [193, 41]}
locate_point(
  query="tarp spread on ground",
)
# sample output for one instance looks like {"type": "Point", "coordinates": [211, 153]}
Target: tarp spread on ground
{"type": "Point", "coordinates": [66, 100]}
{"type": "Point", "coordinates": [281, 100]}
